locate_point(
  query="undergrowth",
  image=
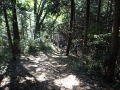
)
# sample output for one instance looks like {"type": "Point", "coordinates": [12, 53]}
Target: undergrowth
{"type": "Point", "coordinates": [25, 47]}
{"type": "Point", "coordinates": [5, 57]}
{"type": "Point", "coordinates": [35, 45]}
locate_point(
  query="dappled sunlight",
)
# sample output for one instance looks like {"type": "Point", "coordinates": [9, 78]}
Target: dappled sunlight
{"type": "Point", "coordinates": [55, 48]}
{"type": "Point", "coordinates": [5, 81]}
{"type": "Point", "coordinates": [37, 59]}
{"type": "Point", "coordinates": [38, 70]}
{"type": "Point", "coordinates": [42, 77]}
{"type": "Point", "coordinates": [64, 56]}
{"type": "Point", "coordinates": [61, 65]}
{"type": "Point", "coordinates": [22, 80]}
{"type": "Point", "coordinates": [44, 67]}
{"type": "Point", "coordinates": [59, 45]}
{"type": "Point", "coordinates": [32, 65]}
{"type": "Point", "coordinates": [67, 82]}
{"type": "Point", "coordinates": [53, 62]}
{"type": "Point", "coordinates": [47, 71]}
{"type": "Point", "coordinates": [30, 78]}
{"type": "Point", "coordinates": [54, 56]}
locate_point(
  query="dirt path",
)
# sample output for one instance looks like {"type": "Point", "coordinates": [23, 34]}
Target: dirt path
{"type": "Point", "coordinates": [46, 71]}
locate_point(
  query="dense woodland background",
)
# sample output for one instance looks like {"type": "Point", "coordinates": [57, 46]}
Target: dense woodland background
{"type": "Point", "coordinates": [35, 25]}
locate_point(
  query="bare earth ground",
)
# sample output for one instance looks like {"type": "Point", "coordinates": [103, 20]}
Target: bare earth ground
{"type": "Point", "coordinates": [47, 71]}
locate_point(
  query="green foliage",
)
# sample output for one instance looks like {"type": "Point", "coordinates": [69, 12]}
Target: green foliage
{"type": "Point", "coordinates": [56, 6]}
{"type": "Point", "coordinates": [76, 65]}
{"type": "Point", "coordinates": [5, 57]}
{"type": "Point", "coordinates": [34, 45]}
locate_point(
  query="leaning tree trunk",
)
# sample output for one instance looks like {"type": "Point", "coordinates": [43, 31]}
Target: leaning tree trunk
{"type": "Point", "coordinates": [16, 37]}
{"type": "Point", "coordinates": [87, 26]}
{"type": "Point", "coordinates": [8, 33]}
{"type": "Point", "coordinates": [114, 43]}
{"type": "Point", "coordinates": [71, 25]}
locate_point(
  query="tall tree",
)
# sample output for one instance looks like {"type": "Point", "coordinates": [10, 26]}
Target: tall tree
{"type": "Point", "coordinates": [98, 13]}
{"type": "Point", "coordinates": [35, 6]}
{"type": "Point", "coordinates": [8, 33]}
{"type": "Point", "coordinates": [71, 26]}
{"type": "Point", "coordinates": [110, 16]}
{"type": "Point", "coordinates": [16, 37]}
{"type": "Point", "coordinates": [39, 14]}
{"type": "Point", "coordinates": [74, 31]}
{"type": "Point", "coordinates": [44, 8]}
{"type": "Point", "coordinates": [114, 43]}
{"type": "Point", "coordinates": [87, 24]}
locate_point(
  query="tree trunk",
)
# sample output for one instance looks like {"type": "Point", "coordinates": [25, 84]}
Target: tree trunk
{"type": "Point", "coordinates": [35, 6]}
{"type": "Point", "coordinates": [52, 25]}
{"type": "Point", "coordinates": [8, 33]}
{"type": "Point", "coordinates": [87, 26]}
{"type": "Point", "coordinates": [74, 23]}
{"type": "Point", "coordinates": [38, 25]}
{"type": "Point", "coordinates": [114, 43]}
{"type": "Point", "coordinates": [22, 28]}
{"type": "Point", "coordinates": [15, 28]}
{"type": "Point", "coordinates": [98, 13]}
{"type": "Point", "coordinates": [107, 20]}
{"type": "Point", "coordinates": [37, 18]}
{"type": "Point", "coordinates": [110, 16]}
{"type": "Point", "coordinates": [70, 32]}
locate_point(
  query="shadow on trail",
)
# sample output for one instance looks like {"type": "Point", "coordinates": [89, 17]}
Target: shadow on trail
{"type": "Point", "coordinates": [86, 81]}
{"type": "Point", "coordinates": [47, 71]}
{"type": "Point", "coordinates": [17, 77]}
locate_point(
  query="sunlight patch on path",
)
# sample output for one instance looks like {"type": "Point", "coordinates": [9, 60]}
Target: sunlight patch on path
{"type": "Point", "coordinates": [29, 78]}
{"type": "Point", "coordinates": [32, 65]}
{"type": "Point", "coordinates": [45, 68]}
{"type": "Point", "coordinates": [5, 81]}
{"type": "Point", "coordinates": [67, 82]}
{"type": "Point", "coordinates": [42, 77]}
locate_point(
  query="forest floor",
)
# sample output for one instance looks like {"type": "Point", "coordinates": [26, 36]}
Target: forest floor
{"type": "Point", "coordinates": [48, 71]}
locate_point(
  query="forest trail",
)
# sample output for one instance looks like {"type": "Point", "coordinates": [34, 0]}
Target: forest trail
{"type": "Point", "coordinates": [46, 71]}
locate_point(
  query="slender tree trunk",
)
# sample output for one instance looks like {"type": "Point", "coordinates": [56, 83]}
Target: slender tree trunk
{"type": "Point", "coordinates": [8, 33]}
{"type": "Point", "coordinates": [35, 6]}
{"type": "Point", "coordinates": [98, 16]}
{"type": "Point", "coordinates": [107, 12]}
{"type": "Point", "coordinates": [74, 26]}
{"type": "Point", "coordinates": [38, 25]}
{"type": "Point", "coordinates": [31, 33]}
{"type": "Point", "coordinates": [114, 43]}
{"type": "Point", "coordinates": [71, 26]}
{"type": "Point", "coordinates": [98, 13]}
{"type": "Point", "coordinates": [15, 28]}
{"type": "Point", "coordinates": [38, 16]}
{"type": "Point", "coordinates": [22, 29]}
{"type": "Point", "coordinates": [110, 16]}
{"type": "Point", "coordinates": [87, 26]}
{"type": "Point", "coordinates": [52, 25]}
